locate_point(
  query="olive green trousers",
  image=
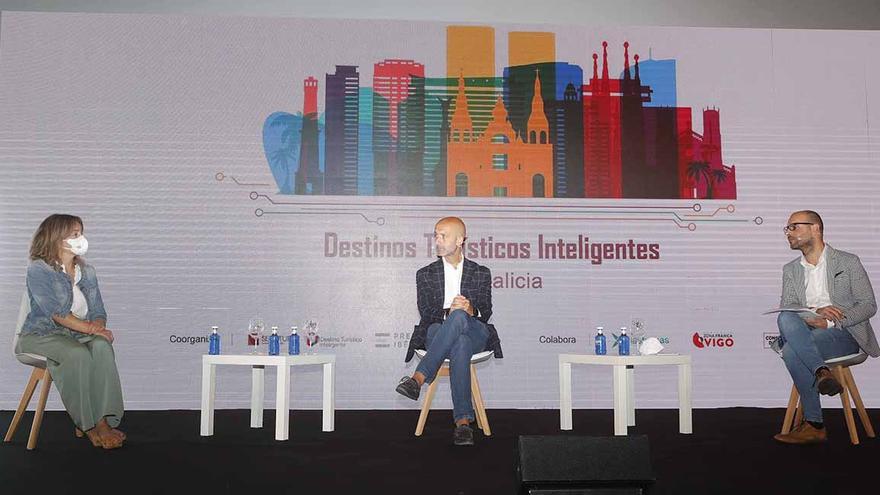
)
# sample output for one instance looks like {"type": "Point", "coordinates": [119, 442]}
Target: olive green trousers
{"type": "Point", "coordinates": [84, 370]}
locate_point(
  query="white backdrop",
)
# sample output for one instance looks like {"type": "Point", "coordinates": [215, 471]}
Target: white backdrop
{"type": "Point", "coordinates": [127, 120]}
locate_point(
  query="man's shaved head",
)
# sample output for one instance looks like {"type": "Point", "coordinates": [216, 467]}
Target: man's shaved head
{"type": "Point", "coordinates": [455, 225]}
{"type": "Point", "coordinates": [812, 217]}
{"type": "Point", "coordinates": [449, 236]}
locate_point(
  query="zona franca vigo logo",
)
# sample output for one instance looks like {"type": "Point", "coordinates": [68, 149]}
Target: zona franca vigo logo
{"type": "Point", "coordinates": [712, 340]}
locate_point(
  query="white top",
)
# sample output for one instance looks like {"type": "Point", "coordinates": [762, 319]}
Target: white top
{"type": "Point", "coordinates": [611, 360]}
{"type": "Point", "coordinates": [451, 281]}
{"type": "Point", "coordinates": [80, 307]}
{"type": "Point", "coordinates": [816, 277]}
{"type": "Point", "coordinates": [265, 360]}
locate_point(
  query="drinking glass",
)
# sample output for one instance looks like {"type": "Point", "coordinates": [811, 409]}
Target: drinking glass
{"type": "Point", "coordinates": [255, 334]}
{"type": "Point", "coordinates": [638, 334]}
{"type": "Point", "coordinates": [311, 329]}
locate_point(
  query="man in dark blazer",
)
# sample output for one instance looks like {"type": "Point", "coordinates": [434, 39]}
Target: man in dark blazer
{"type": "Point", "coordinates": [454, 297]}
{"type": "Point", "coordinates": [832, 284]}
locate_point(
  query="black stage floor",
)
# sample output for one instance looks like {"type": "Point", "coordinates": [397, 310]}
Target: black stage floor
{"type": "Point", "coordinates": [375, 452]}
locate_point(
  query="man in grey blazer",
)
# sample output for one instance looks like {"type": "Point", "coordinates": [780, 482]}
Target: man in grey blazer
{"type": "Point", "coordinates": [835, 286]}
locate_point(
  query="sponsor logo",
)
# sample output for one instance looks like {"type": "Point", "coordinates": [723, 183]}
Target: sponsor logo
{"type": "Point", "coordinates": [385, 340]}
{"type": "Point", "coordinates": [226, 339]}
{"type": "Point", "coordinates": [337, 341]}
{"type": "Point", "coordinates": [635, 342]}
{"type": "Point", "coordinates": [707, 340]}
{"type": "Point", "coordinates": [556, 339]}
{"type": "Point", "coordinates": [188, 339]}
{"type": "Point", "coordinates": [772, 340]}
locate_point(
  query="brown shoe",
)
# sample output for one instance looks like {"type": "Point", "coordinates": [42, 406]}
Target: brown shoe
{"type": "Point", "coordinates": [803, 433]}
{"type": "Point", "coordinates": [826, 383]}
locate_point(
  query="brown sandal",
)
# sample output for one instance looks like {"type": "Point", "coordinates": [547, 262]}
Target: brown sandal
{"type": "Point", "coordinates": [119, 434]}
{"type": "Point", "coordinates": [107, 443]}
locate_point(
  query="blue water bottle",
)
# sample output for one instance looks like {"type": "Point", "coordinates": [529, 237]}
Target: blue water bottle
{"type": "Point", "coordinates": [293, 342]}
{"type": "Point", "coordinates": [274, 342]}
{"type": "Point", "coordinates": [214, 342]}
{"type": "Point", "coordinates": [623, 342]}
{"type": "Point", "coordinates": [601, 348]}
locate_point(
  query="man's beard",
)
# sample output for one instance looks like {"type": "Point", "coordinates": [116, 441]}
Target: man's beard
{"type": "Point", "coordinates": [799, 244]}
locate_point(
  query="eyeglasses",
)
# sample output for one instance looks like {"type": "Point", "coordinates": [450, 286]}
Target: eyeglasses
{"type": "Point", "coordinates": [792, 226]}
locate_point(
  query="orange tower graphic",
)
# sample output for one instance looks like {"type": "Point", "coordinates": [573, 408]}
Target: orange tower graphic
{"type": "Point", "coordinates": [499, 162]}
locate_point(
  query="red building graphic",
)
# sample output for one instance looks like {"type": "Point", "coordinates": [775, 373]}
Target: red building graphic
{"type": "Point", "coordinates": [601, 100]}
{"type": "Point", "coordinates": [308, 176]}
{"type": "Point", "coordinates": [391, 81]}
{"type": "Point", "coordinates": [398, 89]}
{"type": "Point", "coordinates": [633, 151]}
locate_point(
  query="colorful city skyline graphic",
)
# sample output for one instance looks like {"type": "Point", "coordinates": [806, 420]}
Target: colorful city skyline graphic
{"type": "Point", "coordinates": [540, 129]}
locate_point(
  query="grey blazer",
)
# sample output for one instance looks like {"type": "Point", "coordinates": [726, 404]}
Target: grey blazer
{"type": "Point", "coordinates": [849, 288]}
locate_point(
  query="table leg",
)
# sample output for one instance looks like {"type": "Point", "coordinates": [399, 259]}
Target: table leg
{"type": "Point", "coordinates": [685, 422]}
{"type": "Point", "coordinates": [564, 396]}
{"type": "Point", "coordinates": [630, 396]}
{"type": "Point", "coordinates": [282, 402]}
{"type": "Point", "coordinates": [209, 381]}
{"type": "Point", "coordinates": [620, 406]}
{"type": "Point", "coordinates": [257, 379]}
{"type": "Point", "coordinates": [329, 402]}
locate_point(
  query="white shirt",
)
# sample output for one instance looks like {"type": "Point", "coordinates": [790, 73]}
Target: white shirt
{"type": "Point", "coordinates": [816, 277]}
{"type": "Point", "coordinates": [451, 281]}
{"type": "Point", "coordinates": [80, 307]}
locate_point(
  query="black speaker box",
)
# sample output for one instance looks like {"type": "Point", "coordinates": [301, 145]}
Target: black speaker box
{"type": "Point", "coordinates": [580, 465]}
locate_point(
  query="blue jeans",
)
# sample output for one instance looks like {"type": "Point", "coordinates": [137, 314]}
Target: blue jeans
{"type": "Point", "coordinates": [805, 350]}
{"type": "Point", "coordinates": [458, 338]}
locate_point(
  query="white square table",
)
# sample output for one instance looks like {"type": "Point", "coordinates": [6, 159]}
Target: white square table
{"type": "Point", "coordinates": [258, 363]}
{"type": "Point", "coordinates": [624, 403]}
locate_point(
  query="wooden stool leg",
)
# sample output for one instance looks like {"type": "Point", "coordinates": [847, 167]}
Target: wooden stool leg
{"type": "Point", "coordinates": [799, 415]}
{"type": "Point", "coordinates": [474, 395]}
{"type": "Point", "coordinates": [479, 405]}
{"type": "Point", "coordinates": [847, 409]}
{"type": "Point", "coordinates": [426, 406]}
{"type": "Point", "coordinates": [36, 374]}
{"type": "Point", "coordinates": [790, 410]}
{"type": "Point", "coordinates": [41, 406]}
{"type": "Point", "coordinates": [857, 399]}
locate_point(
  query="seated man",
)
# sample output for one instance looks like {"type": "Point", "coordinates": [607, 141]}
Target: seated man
{"type": "Point", "coordinates": [461, 289]}
{"type": "Point", "coordinates": [834, 285]}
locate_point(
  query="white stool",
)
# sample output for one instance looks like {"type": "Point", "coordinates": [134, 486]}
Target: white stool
{"type": "Point", "coordinates": [476, 395]}
{"type": "Point", "coordinates": [39, 373]}
{"type": "Point", "coordinates": [839, 367]}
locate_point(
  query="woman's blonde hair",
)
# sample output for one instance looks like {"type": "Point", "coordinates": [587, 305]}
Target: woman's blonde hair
{"type": "Point", "coordinates": [49, 236]}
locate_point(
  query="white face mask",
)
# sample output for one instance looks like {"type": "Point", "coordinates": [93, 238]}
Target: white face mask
{"type": "Point", "coordinates": [78, 246]}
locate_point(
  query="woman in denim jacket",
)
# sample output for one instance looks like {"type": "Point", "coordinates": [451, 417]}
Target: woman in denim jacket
{"type": "Point", "coordinates": [67, 324]}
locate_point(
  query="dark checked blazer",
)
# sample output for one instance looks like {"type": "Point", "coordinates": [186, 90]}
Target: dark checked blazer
{"type": "Point", "coordinates": [476, 286]}
{"type": "Point", "coordinates": [849, 288]}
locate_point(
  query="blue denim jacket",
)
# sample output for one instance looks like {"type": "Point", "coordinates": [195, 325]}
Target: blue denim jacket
{"type": "Point", "coordinates": [51, 293]}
